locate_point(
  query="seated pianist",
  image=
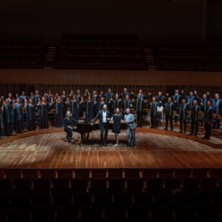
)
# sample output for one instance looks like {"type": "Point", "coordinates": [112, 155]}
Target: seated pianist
{"type": "Point", "coordinates": [69, 121]}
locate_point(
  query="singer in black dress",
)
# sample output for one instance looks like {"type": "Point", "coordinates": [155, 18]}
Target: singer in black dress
{"type": "Point", "coordinates": [117, 117]}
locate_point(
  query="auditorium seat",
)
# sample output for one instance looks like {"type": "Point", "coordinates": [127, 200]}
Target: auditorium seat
{"type": "Point", "coordinates": [163, 198]}
{"type": "Point", "coordinates": [143, 199]}
{"type": "Point", "coordinates": [185, 212]}
{"type": "Point", "coordinates": [41, 199]}
{"type": "Point", "coordinates": [136, 212]}
{"type": "Point", "coordinates": [41, 185]}
{"type": "Point", "coordinates": [79, 185]}
{"type": "Point", "coordinates": [184, 198]}
{"type": "Point", "coordinates": [20, 199]}
{"type": "Point", "coordinates": [123, 199]}
{"type": "Point", "coordinates": [135, 185]}
{"type": "Point", "coordinates": [116, 213]}
{"type": "Point", "coordinates": [102, 199]}
{"type": "Point", "coordinates": [42, 213]}
{"type": "Point", "coordinates": [61, 185]}
{"type": "Point", "coordinates": [98, 185]}
{"type": "Point", "coordinates": [18, 214]}
{"type": "Point", "coordinates": [82, 199]}
{"type": "Point", "coordinates": [162, 212]}
{"type": "Point", "coordinates": [62, 199]}
{"type": "Point", "coordinates": [21, 185]}
{"type": "Point", "coordinates": [116, 186]}
{"type": "Point", "coordinates": [67, 214]}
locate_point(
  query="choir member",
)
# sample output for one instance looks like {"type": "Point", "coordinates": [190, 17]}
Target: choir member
{"type": "Point", "coordinates": [168, 109]}
{"type": "Point", "coordinates": [22, 98]}
{"type": "Point", "coordinates": [127, 103]}
{"type": "Point", "coordinates": [74, 107]}
{"type": "Point", "coordinates": [183, 115]}
{"type": "Point", "coordinates": [86, 94]}
{"type": "Point", "coordinates": [194, 117]}
{"type": "Point", "coordinates": [139, 109]}
{"type": "Point", "coordinates": [160, 97]}
{"type": "Point", "coordinates": [108, 95]}
{"type": "Point", "coordinates": [95, 106]}
{"type": "Point", "coordinates": [95, 97]}
{"type": "Point", "coordinates": [78, 95]}
{"type": "Point", "coordinates": [101, 103]}
{"type": "Point", "coordinates": [208, 113]}
{"type": "Point", "coordinates": [124, 93]}
{"type": "Point", "coordinates": [217, 109]}
{"type": "Point", "coordinates": [36, 98]}
{"type": "Point", "coordinates": [116, 103]}
{"type": "Point", "coordinates": [190, 100]}
{"type": "Point", "coordinates": [117, 117]}
{"type": "Point", "coordinates": [43, 113]}
{"type": "Point", "coordinates": [19, 120]}
{"type": "Point", "coordinates": [11, 103]}
{"type": "Point", "coordinates": [66, 106]}
{"type": "Point", "coordinates": [63, 96]}
{"type": "Point", "coordinates": [6, 120]}
{"type": "Point", "coordinates": [30, 115]}
{"type": "Point", "coordinates": [82, 108]}
{"type": "Point", "coordinates": [89, 110]}
{"type": "Point", "coordinates": [160, 109]}
{"type": "Point", "coordinates": [104, 117]}
{"type": "Point", "coordinates": [59, 112]}
{"type": "Point", "coordinates": [153, 112]}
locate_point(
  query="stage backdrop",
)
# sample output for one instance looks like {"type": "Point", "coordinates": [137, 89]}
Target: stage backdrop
{"type": "Point", "coordinates": [110, 77]}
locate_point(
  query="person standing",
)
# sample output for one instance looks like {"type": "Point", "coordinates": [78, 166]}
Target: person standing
{"type": "Point", "coordinates": [208, 113]}
{"type": "Point", "coordinates": [117, 117]}
{"type": "Point", "coordinates": [43, 113]}
{"type": "Point", "coordinates": [131, 128]}
{"type": "Point", "coordinates": [194, 117]}
{"type": "Point", "coordinates": [153, 112]}
{"type": "Point", "coordinates": [104, 117]}
{"type": "Point", "coordinates": [30, 116]}
{"type": "Point", "coordinates": [169, 113]}
{"type": "Point", "coordinates": [183, 116]}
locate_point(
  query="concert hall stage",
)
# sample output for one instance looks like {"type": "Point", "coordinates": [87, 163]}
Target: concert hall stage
{"type": "Point", "coordinates": [155, 149]}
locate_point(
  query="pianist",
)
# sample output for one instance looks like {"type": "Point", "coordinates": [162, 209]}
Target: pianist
{"type": "Point", "coordinates": [69, 121]}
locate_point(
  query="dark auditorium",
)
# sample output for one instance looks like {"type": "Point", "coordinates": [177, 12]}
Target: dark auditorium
{"type": "Point", "coordinates": [111, 111]}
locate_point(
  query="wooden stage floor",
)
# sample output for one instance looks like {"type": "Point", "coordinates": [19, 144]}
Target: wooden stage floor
{"type": "Point", "coordinates": [154, 149]}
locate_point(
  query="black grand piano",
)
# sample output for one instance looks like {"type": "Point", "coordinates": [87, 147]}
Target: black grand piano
{"type": "Point", "coordinates": [84, 129]}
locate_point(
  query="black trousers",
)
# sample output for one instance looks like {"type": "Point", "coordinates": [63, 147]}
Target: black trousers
{"type": "Point", "coordinates": [183, 125]}
{"type": "Point", "coordinates": [69, 133]}
{"type": "Point", "coordinates": [153, 121]}
{"type": "Point", "coordinates": [169, 119]}
{"type": "Point", "coordinates": [140, 118]}
{"type": "Point", "coordinates": [194, 127]}
{"type": "Point", "coordinates": [207, 130]}
{"type": "Point", "coordinates": [104, 133]}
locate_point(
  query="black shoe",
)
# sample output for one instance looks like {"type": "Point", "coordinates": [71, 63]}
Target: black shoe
{"type": "Point", "coordinates": [101, 144]}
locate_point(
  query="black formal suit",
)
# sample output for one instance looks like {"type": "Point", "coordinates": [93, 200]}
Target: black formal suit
{"type": "Point", "coordinates": [103, 125]}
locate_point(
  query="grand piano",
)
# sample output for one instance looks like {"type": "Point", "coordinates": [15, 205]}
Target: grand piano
{"type": "Point", "coordinates": [84, 129]}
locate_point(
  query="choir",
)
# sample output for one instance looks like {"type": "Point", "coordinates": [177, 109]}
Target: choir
{"type": "Point", "coordinates": [19, 113]}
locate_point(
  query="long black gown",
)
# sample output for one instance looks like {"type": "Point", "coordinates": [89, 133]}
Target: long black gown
{"type": "Point", "coordinates": [89, 111]}
{"type": "Point", "coordinates": [59, 118]}
{"type": "Point", "coordinates": [6, 121]}
{"type": "Point", "coordinates": [44, 116]}
{"type": "Point", "coordinates": [19, 120]}
{"type": "Point", "coordinates": [30, 118]}
{"type": "Point", "coordinates": [74, 109]}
